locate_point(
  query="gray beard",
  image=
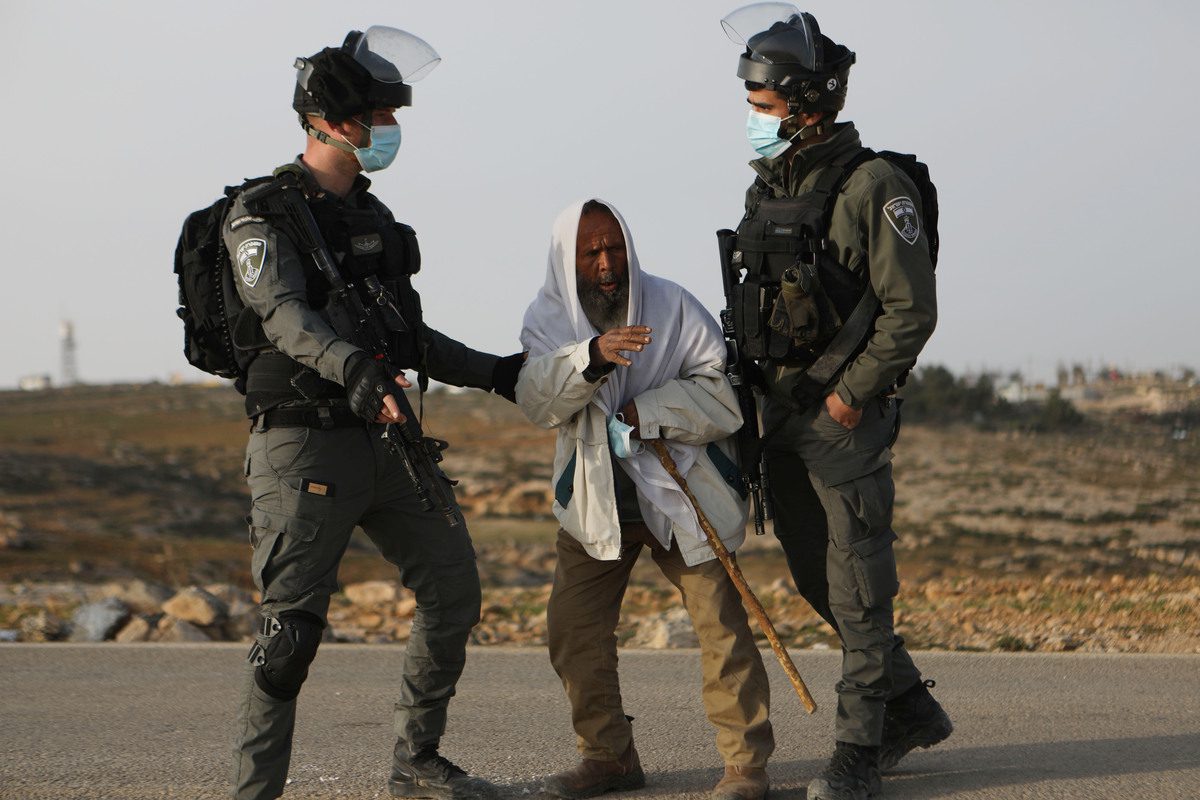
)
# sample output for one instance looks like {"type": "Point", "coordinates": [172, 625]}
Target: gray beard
{"type": "Point", "coordinates": [605, 312]}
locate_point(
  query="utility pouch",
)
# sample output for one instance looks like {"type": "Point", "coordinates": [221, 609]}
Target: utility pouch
{"type": "Point", "coordinates": [747, 319]}
{"type": "Point", "coordinates": [795, 314]}
{"type": "Point", "coordinates": [784, 255]}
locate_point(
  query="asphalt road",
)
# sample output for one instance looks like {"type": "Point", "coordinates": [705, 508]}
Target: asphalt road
{"type": "Point", "coordinates": [155, 721]}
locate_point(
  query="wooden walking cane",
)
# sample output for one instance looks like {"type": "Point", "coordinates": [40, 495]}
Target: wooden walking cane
{"type": "Point", "coordinates": [739, 580]}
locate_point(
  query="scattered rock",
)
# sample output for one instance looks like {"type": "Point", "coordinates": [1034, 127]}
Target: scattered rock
{"type": "Point", "coordinates": [15, 540]}
{"type": "Point", "coordinates": [138, 629]}
{"type": "Point", "coordinates": [525, 499]}
{"type": "Point", "coordinates": [146, 597]}
{"type": "Point", "coordinates": [12, 533]}
{"type": "Point", "coordinates": [371, 593]}
{"type": "Point", "coordinates": [176, 630]}
{"type": "Point", "coordinates": [406, 606]}
{"type": "Point", "coordinates": [370, 620]}
{"type": "Point", "coordinates": [197, 606]}
{"type": "Point", "coordinates": [671, 629]}
{"type": "Point", "coordinates": [95, 622]}
{"type": "Point", "coordinates": [42, 626]}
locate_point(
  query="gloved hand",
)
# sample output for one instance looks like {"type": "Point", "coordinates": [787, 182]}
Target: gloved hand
{"type": "Point", "coordinates": [504, 376]}
{"type": "Point", "coordinates": [367, 383]}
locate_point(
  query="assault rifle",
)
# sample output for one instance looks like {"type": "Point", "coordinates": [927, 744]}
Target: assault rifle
{"type": "Point", "coordinates": [749, 442]}
{"type": "Point", "coordinates": [368, 326]}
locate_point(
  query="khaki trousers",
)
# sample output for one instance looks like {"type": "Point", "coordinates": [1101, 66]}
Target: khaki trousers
{"type": "Point", "coordinates": [582, 616]}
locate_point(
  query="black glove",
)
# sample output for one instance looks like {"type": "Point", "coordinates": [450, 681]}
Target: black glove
{"type": "Point", "coordinates": [367, 383]}
{"type": "Point", "coordinates": [504, 376]}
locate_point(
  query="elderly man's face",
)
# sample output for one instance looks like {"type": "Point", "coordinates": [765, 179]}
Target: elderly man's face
{"type": "Point", "coordinates": [602, 270]}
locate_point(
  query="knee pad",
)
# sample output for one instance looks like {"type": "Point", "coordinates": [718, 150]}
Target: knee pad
{"type": "Point", "coordinates": [282, 665]}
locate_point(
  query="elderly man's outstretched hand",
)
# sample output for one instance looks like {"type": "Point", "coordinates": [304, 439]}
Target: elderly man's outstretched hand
{"type": "Point", "coordinates": [607, 348]}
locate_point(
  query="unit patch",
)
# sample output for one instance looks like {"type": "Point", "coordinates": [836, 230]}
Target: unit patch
{"type": "Point", "coordinates": [367, 244]}
{"type": "Point", "coordinates": [902, 215]}
{"type": "Point", "coordinates": [250, 257]}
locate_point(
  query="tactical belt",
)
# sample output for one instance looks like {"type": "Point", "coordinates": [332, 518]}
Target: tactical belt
{"type": "Point", "coordinates": [324, 417]}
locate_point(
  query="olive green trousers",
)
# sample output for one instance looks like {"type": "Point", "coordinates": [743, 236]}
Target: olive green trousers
{"type": "Point", "coordinates": [582, 616]}
{"type": "Point", "coordinates": [833, 494]}
{"type": "Point", "coordinates": [310, 488]}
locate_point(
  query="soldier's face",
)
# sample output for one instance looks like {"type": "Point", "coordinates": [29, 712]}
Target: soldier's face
{"type": "Point", "coordinates": [768, 101]}
{"type": "Point", "coordinates": [601, 263]}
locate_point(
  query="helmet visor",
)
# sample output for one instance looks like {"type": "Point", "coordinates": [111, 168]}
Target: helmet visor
{"type": "Point", "coordinates": [774, 33]}
{"type": "Point", "coordinates": [394, 56]}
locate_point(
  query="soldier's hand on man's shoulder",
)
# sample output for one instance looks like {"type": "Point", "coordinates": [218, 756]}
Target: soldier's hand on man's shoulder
{"type": "Point", "coordinates": [504, 375]}
{"type": "Point", "coordinates": [607, 348]}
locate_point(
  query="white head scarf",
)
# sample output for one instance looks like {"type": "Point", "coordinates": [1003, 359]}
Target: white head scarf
{"type": "Point", "coordinates": [556, 318]}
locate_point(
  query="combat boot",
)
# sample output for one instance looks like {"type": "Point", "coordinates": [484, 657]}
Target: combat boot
{"type": "Point", "coordinates": [430, 775]}
{"type": "Point", "coordinates": [852, 774]}
{"type": "Point", "coordinates": [912, 720]}
{"type": "Point", "coordinates": [592, 777]}
{"type": "Point", "coordinates": [741, 783]}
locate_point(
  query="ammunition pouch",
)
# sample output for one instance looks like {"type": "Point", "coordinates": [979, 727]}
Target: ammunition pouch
{"type": "Point", "coordinates": [795, 294]}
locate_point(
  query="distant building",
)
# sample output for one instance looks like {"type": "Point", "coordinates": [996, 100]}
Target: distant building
{"type": "Point", "coordinates": [34, 383]}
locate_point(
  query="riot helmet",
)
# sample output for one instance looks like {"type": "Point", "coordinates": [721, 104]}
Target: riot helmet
{"type": "Point", "coordinates": [787, 53]}
{"type": "Point", "coordinates": [372, 69]}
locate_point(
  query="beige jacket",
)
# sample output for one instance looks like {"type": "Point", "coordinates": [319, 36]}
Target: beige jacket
{"type": "Point", "coordinates": [682, 397]}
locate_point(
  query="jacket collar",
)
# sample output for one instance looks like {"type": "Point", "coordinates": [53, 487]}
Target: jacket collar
{"type": "Point", "coordinates": [313, 189]}
{"type": "Point", "coordinates": [786, 173]}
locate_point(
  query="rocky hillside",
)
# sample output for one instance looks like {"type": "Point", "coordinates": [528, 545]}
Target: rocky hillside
{"type": "Point", "coordinates": [121, 516]}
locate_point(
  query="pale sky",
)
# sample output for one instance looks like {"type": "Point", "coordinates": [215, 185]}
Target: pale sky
{"type": "Point", "coordinates": [1061, 137]}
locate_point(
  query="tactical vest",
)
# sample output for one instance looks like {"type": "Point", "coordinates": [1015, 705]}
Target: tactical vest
{"type": "Point", "coordinates": [796, 297]}
{"type": "Point", "coordinates": [362, 242]}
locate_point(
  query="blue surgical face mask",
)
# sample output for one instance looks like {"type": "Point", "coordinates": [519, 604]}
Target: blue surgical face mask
{"type": "Point", "coordinates": [620, 438]}
{"type": "Point", "coordinates": [384, 144]}
{"type": "Point", "coordinates": [763, 132]}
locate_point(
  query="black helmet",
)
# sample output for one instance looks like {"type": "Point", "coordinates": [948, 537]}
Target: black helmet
{"type": "Point", "coordinates": [786, 52]}
{"type": "Point", "coordinates": [370, 70]}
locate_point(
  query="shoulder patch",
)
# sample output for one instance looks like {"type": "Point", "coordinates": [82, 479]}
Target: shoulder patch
{"type": "Point", "coordinates": [250, 257]}
{"type": "Point", "coordinates": [901, 213]}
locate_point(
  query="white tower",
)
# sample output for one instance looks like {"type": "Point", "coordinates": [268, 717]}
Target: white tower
{"type": "Point", "coordinates": [66, 335]}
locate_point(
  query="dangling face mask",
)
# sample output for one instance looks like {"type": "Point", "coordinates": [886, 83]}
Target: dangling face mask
{"type": "Point", "coordinates": [763, 132]}
{"type": "Point", "coordinates": [381, 149]}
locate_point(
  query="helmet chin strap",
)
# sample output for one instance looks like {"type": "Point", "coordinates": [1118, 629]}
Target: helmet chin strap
{"type": "Point", "coordinates": [823, 126]}
{"type": "Point", "coordinates": [325, 138]}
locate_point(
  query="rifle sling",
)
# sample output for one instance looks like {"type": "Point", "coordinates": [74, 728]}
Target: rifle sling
{"type": "Point", "coordinates": [811, 386]}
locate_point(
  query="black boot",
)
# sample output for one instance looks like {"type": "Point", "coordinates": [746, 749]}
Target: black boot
{"type": "Point", "coordinates": [912, 720]}
{"type": "Point", "coordinates": [429, 775]}
{"type": "Point", "coordinates": [852, 774]}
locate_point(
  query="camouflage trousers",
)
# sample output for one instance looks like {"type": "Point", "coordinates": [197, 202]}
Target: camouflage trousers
{"type": "Point", "coordinates": [833, 495]}
{"type": "Point", "coordinates": [310, 488]}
